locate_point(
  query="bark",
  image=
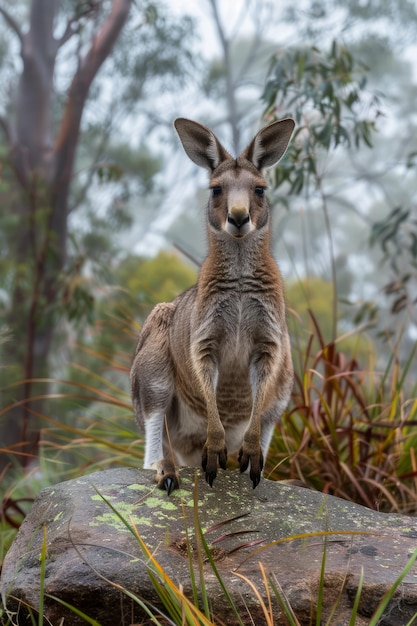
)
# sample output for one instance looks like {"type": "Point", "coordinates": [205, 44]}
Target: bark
{"type": "Point", "coordinates": [67, 137]}
{"type": "Point", "coordinates": [230, 84]}
{"type": "Point", "coordinates": [43, 165]}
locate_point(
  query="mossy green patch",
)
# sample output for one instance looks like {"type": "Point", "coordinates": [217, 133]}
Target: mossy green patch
{"type": "Point", "coordinates": [138, 487]}
{"type": "Point", "coordinates": [166, 505]}
{"type": "Point", "coordinates": [112, 519]}
{"type": "Point", "coordinates": [131, 513]}
{"type": "Point", "coordinates": [99, 498]}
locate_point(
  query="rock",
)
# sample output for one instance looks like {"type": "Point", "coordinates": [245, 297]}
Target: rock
{"type": "Point", "coordinates": [92, 556]}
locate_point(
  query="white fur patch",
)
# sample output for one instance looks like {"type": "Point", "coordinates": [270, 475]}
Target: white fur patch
{"type": "Point", "coordinates": [213, 152]}
{"type": "Point", "coordinates": [154, 431]}
{"type": "Point", "coordinates": [258, 151]}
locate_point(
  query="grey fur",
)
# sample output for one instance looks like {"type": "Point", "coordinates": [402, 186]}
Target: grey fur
{"type": "Point", "coordinates": [214, 366]}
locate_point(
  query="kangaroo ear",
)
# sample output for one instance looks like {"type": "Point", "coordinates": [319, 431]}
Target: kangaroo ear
{"type": "Point", "coordinates": [269, 144]}
{"type": "Point", "coordinates": [200, 144]}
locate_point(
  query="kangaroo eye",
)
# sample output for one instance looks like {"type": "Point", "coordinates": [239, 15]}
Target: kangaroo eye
{"type": "Point", "coordinates": [216, 191]}
{"type": "Point", "coordinates": [260, 191]}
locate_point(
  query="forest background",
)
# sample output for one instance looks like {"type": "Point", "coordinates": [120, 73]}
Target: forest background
{"type": "Point", "coordinates": [101, 217]}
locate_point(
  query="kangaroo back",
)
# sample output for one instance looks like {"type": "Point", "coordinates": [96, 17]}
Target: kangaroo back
{"type": "Point", "coordinates": [213, 371]}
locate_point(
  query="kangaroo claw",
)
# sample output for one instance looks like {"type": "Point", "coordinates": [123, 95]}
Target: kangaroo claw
{"type": "Point", "coordinates": [209, 463]}
{"type": "Point", "coordinates": [210, 476]}
{"type": "Point", "coordinates": [166, 476]}
{"type": "Point", "coordinates": [169, 484]}
{"type": "Point", "coordinates": [256, 465]}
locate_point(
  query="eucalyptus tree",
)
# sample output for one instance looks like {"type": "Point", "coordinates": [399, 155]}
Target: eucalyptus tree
{"type": "Point", "coordinates": [355, 156]}
{"type": "Point", "coordinates": [339, 68]}
{"type": "Point", "coordinates": [73, 75]}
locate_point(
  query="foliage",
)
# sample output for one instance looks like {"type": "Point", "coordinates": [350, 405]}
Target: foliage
{"type": "Point", "coordinates": [66, 179]}
{"type": "Point", "coordinates": [397, 236]}
{"type": "Point", "coordinates": [99, 432]}
{"type": "Point", "coordinates": [350, 430]}
{"type": "Point", "coordinates": [325, 92]}
{"type": "Point", "coordinates": [121, 308]}
{"type": "Point", "coordinates": [308, 304]}
{"type": "Point", "coordinates": [158, 279]}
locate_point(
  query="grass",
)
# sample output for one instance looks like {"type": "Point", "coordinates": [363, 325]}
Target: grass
{"type": "Point", "coordinates": [181, 610]}
{"type": "Point", "coordinates": [349, 431]}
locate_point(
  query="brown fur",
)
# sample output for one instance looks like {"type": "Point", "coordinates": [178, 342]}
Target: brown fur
{"type": "Point", "coordinates": [215, 364]}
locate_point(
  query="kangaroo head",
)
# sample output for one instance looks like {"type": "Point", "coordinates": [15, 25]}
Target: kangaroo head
{"type": "Point", "coordinates": [237, 203]}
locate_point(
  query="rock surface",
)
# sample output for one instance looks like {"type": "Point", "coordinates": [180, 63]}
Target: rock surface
{"type": "Point", "coordinates": [92, 556]}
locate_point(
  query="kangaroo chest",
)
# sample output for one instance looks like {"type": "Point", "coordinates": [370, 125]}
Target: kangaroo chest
{"type": "Point", "coordinates": [238, 325]}
{"type": "Point", "coordinates": [230, 329]}
{"type": "Point", "coordinates": [231, 332]}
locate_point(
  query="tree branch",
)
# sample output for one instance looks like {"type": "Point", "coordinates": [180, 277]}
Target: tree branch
{"type": "Point", "coordinates": [67, 137]}
{"type": "Point", "coordinates": [106, 130]}
{"type": "Point", "coordinates": [230, 85]}
{"type": "Point", "coordinates": [5, 127]}
{"type": "Point", "coordinates": [12, 23]}
{"type": "Point", "coordinates": [70, 30]}
{"type": "Point", "coordinates": [105, 39]}
{"type": "Point", "coordinates": [67, 34]}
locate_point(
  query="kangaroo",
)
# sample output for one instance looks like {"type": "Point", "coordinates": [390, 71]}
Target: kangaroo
{"type": "Point", "coordinates": [212, 371]}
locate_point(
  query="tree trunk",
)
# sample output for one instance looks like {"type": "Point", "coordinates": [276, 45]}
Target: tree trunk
{"type": "Point", "coordinates": [232, 108]}
{"type": "Point", "coordinates": [43, 169]}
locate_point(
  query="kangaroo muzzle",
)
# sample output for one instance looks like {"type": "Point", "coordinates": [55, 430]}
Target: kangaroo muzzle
{"type": "Point", "coordinates": [238, 223]}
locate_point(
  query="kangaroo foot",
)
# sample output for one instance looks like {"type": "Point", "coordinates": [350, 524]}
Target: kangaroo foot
{"type": "Point", "coordinates": [166, 476]}
{"type": "Point", "coordinates": [256, 461]}
{"type": "Point", "coordinates": [209, 461]}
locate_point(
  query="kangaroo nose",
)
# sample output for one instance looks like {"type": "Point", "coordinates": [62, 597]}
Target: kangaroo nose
{"type": "Point", "coordinates": [238, 220]}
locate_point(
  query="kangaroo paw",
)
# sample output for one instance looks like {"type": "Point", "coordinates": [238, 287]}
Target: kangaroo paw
{"type": "Point", "coordinates": [256, 461]}
{"type": "Point", "coordinates": [166, 476]}
{"type": "Point", "coordinates": [210, 460]}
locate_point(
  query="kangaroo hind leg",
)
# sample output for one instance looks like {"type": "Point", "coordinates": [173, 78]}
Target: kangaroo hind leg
{"type": "Point", "coordinates": [152, 383]}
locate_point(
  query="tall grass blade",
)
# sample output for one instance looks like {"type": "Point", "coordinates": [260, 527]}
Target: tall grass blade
{"type": "Point", "coordinates": [284, 602]}
{"type": "Point", "coordinates": [198, 535]}
{"type": "Point", "coordinates": [268, 595]}
{"type": "Point", "coordinates": [43, 556]}
{"type": "Point", "coordinates": [412, 621]}
{"type": "Point", "coordinates": [73, 609]}
{"type": "Point", "coordinates": [318, 533]}
{"type": "Point", "coordinates": [179, 604]}
{"type": "Point", "coordinates": [214, 568]}
{"type": "Point", "coordinates": [321, 584]}
{"type": "Point", "coordinates": [269, 621]}
{"type": "Point", "coordinates": [389, 594]}
{"type": "Point", "coordinates": [355, 607]}
{"type": "Point", "coordinates": [147, 607]}
{"type": "Point", "coordinates": [190, 557]}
